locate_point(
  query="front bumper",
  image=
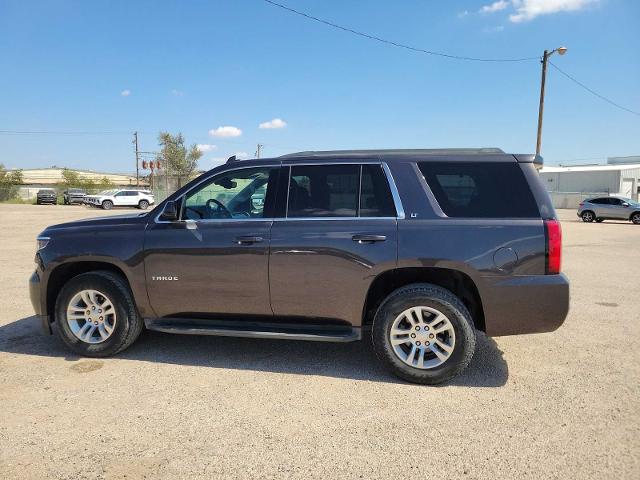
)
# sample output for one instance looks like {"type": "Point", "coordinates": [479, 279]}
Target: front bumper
{"type": "Point", "coordinates": [35, 293]}
{"type": "Point", "coordinates": [524, 304]}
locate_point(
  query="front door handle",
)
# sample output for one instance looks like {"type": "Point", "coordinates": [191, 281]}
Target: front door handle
{"type": "Point", "coordinates": [248, 240]}
{"type": "Point", "coordinates": [361, 238]}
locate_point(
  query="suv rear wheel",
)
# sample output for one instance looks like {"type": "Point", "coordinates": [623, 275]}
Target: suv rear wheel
{"type": "Point", "coordinates": [95, 314]}
{"type": "Point", "coordinates": [588, 216]}
{"type": "Point", "coordinates": [424, 334]}
{"type": "Point", "coordinates": [107, 204]}
{"type": "Point", "coordinates": [143, 204]}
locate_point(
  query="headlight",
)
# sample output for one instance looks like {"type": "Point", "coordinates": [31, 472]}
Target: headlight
{"type": "Point", "coordinates": [42, 242]}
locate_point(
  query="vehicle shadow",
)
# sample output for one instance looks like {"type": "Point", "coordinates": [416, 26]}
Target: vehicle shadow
{"type": "Point", "coordinates": [341, 360]}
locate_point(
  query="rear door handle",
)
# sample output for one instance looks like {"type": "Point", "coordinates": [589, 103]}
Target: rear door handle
{"type": "Point", "coordinates": [360, 238]}
{"type": "Point", "coordinates": [248, 240]}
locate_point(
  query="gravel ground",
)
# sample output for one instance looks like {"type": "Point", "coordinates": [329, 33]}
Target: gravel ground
{"type": "Point", "coordinates": [558, 405]}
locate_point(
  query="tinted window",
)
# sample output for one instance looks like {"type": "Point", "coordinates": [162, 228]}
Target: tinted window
{"type": "Point", "coordinates": [599, 201]}
{"type": "Point", "coordinates": [615, 201]}
{"type": "Point", "coordinates": [375, 195]}
{"type": "Point", "coordinates": [480, 190]}
{"type": "Point", "coordinates": [323, 191]}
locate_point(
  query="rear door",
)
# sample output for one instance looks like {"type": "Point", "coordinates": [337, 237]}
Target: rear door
{"type": "Point", "coordinates": [337, 233]}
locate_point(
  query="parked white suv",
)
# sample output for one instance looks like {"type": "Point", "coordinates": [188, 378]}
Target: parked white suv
{"type": "Point", "coordinates": [121, 198]}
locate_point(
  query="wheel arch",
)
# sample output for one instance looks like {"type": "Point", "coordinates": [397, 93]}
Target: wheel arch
{"type": "Point", "coordinates": [633, 213]}
{"type": "Point", "coordinates": [457, 282]}
{"type": "Point", "coordinates": [66, 271]}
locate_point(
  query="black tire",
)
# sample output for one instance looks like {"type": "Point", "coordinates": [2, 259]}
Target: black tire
{"type": "Point", "coordinates": [107, 204]}
{"type": "Point", "coordinates": [128, 325]}
{"type": "Point", "coordinates": [635, 218]}
{"type": "Point", "coordinates": [599, 220]}
{"type": "Point", "coordinates": [588, 216]}
{"type": "Point", "coordinates": [438, 298]}
{"type": "Point", "coordinates": [143, 204]}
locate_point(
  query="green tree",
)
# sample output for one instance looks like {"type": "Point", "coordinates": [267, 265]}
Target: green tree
{"type": "Point", "coordinates": [70, 178]}
{"type": "Point", "coordinates": [175, 158]}
{"type": "Point", "coordinates": [105, 184]}
{"type": "Point", "coordinates": [10, 182]}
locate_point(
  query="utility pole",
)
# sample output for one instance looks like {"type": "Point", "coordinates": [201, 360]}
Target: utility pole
{"type": "Point", "coordinates": [135, 141]}
{"type": "Point", "coordinates": [545, 59]}
{"type": "Point", "coordinates": [259, 150]}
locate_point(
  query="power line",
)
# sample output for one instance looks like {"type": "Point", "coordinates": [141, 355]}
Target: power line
{"type": "Point", "coordinates": [50, 132]}
{"type": "Point", "coordinates": [396, 44]}
{"type": "Point", "coordinates": [602, 97]}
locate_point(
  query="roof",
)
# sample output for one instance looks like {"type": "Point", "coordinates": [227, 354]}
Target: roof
{"type": "Point", "coordinates": [395, 152]}
{"type": "Point", "coordinates": [590, 168]}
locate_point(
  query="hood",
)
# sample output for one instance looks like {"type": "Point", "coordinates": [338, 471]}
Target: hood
{"type": "Point", "coordinates": [111, 220]}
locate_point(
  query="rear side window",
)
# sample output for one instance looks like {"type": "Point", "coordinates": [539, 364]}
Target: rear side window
{"type": "Point", "coordinates": [480, 190]}
{"type": "Point", "coordinates": [375, 194]}
{"type": "Point", "coordinates": [323, 191]}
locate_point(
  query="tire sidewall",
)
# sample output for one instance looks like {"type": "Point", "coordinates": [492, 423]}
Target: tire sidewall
{"type": "Point", "coordinates": [635, 218]}
{"type": "Point", "coordinates": [143, 204]}
{"type": "Point", "coordinates": [120, 304]}
{"type": "Point", "coordinates": [457, 315]}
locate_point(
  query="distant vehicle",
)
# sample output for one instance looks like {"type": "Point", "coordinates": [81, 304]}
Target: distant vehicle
{"type": "Point", "coordinates": [73, 195]}
{"type": "Point", "coordinates": [121, 198]}
{"type": "Point", "coordinates": [47, 195]}
{"type": "Point", "coordinates": [600, 209]}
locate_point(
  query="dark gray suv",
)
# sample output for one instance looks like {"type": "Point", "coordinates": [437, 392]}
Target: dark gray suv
{"type": "Point", "coordinates": [421, 248]}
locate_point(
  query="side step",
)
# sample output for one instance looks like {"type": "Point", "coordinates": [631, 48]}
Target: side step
{"type": "Point", "coordinates": [280, 331]}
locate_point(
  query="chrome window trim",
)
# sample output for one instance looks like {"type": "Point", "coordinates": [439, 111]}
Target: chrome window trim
{"type": "Point", "coordinates": [395, 194]}
{"type": "Point", "coordinates": [304, 219]}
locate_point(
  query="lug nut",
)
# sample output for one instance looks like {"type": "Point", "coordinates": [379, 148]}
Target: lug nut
{"type": "Point", "coordinates": [426, 328]}
{"type": "Point", "coordinates": [418, 343]}
{"type": "Point", "coordinates": [93, 308]}
{"type": "Point", "coordinates": [101, 318]}
{"type": "Point", "coordinates": [413, 335]}
{"type": "Point", "coordinates": [100, 310]}
{"type": "Point", "coordinates": [427, 343]}
{"type": "Point", "coordinates": [430, 335]}
{"type": "Point", "coordinates": [95, 323]}
{"type": "Point", "coordinates": [418, 328]}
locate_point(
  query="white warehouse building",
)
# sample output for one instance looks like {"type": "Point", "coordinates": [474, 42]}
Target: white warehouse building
{"type": "Point", "coordinates": [568, 186]}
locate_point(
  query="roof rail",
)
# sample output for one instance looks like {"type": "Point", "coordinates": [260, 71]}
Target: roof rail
{"type": "Point", "coordinates": [417, 151]}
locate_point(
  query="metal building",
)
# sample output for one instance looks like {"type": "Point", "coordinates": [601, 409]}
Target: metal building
{"type": "Point", "coordinates": [570, 185]}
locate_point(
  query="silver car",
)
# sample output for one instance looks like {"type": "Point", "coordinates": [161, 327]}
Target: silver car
{"type": "Point", "coordinates": [609, 208]}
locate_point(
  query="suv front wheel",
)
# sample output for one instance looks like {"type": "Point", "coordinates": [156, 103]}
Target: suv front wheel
{"type": "Point", "coordinates": [424, 334]}
{"type": "Point", "coordinates": [95, 314]}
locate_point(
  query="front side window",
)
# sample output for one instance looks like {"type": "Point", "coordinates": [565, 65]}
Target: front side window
{"type": "Point", "coordinates": [239, 194]}
{"type": "Point", "coordinates": [480, 189]}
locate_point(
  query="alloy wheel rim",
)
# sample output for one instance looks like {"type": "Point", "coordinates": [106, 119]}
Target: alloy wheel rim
{"type": "Point", "coordinates": [587, 216]}
{"type": "Point", "coordinates": [91, 316]}
{"type": "Point", "coordinates": [422, 337]}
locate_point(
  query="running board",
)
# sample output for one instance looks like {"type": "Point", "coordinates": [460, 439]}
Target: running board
{"type": "Point", "coordinates": [279, 331]}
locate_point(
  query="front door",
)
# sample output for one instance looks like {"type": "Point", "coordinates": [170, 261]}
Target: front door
{"type": "Point", "coordinates": [338, 234]}
{"type": "Point", "coordinates": [213, 262]}
{"type": "Point", "coordinates": [618, 209]}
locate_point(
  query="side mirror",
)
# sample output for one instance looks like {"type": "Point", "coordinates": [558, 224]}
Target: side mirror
{"type": "Point", "coordinates": [170, 211]}
{"type": "Point", "coordinates": [625, 204]}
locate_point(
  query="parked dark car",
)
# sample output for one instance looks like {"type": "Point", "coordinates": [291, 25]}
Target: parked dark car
{"type": "Point", "coordinates": [73, 195]}
{"type": "Point", "coordinates": [420, 248]}
{"type": "Point", "coordinates": [46, 195]}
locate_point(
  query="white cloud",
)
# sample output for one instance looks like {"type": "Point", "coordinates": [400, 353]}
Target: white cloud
{"type": "Point", "coordinates": [125, 93]}
{"type": "Point", "coordinates": [225, 132]}
{"type": "Point", "coordinates": [275, 123]}
{"type": "Point", "coordinates": [242, 155]}
{"type": "Point", "coordinates": [177, 93]}
{"type": "Point", "coordinates": [495, 6]}
{"type": "Point", "coordinates": [206, 147]}
{"type": "Point", "coordinates": [463, 13]}
{"type": "Point", "coordinates": [529, 9]}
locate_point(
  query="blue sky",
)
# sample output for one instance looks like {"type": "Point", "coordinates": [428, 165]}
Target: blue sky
{"type": "Point", "coordinates": [195, 66]}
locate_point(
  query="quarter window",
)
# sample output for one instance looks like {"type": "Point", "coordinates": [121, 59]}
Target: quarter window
{"type": "Point", "coordinates": [480, 190]}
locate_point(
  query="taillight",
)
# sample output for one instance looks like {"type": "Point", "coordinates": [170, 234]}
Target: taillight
{"type": "Point", "coordinates": [581, 204]}
{"type": "Point", "coordinates": [553, 233]}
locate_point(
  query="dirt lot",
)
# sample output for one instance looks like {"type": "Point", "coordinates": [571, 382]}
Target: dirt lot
{"type": "Point", "coordinates": [559, 405]}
